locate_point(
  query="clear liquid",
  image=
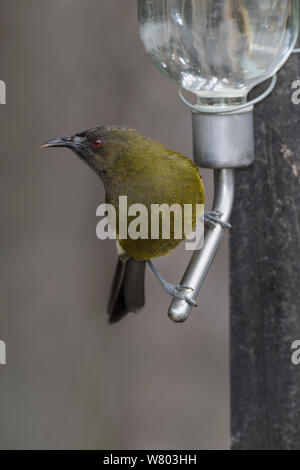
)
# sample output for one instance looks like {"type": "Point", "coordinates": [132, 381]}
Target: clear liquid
{"type": "Point", "coordinates": [219, 48]}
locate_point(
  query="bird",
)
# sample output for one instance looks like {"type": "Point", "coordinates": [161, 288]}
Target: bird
{"type": "Point", "coordinates": [146, 172]}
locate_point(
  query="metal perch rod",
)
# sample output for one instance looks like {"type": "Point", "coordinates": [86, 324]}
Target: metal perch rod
{"type": "Point", "coordinates": [199, 265]}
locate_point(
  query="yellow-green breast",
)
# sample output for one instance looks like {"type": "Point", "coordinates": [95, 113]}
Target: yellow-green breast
{"type": "Point", "coordinates": [155, 175]}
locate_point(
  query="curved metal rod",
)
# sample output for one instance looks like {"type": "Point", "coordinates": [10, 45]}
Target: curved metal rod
{"type": "Point", "coordinates": [199, 265]}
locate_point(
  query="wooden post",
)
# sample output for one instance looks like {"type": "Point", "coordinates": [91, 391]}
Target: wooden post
{"type": "Point", "coordinates": [265, 277]}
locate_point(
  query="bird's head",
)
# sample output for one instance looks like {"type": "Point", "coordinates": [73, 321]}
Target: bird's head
{"type": "Point", "coordinates": [102, 146]}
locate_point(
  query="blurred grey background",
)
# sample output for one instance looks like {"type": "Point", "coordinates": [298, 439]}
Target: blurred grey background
{"type": "Point", "coordinates": [72, 381]}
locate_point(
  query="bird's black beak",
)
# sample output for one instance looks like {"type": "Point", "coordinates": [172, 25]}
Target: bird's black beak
{"type": "Point", "coordinates": [59, 142]}
{"type": "Point", "coordinates": [71, 142]}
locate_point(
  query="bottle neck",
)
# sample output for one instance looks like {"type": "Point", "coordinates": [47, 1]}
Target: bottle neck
{"type": "Point", "coordinates": [221, 101]}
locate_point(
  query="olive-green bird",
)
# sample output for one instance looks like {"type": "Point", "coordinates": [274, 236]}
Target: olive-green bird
{"type": "Point", "coordinates": [130, 164]}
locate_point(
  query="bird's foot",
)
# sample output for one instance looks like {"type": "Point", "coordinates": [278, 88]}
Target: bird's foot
{"type": "Point", "coordinates": [213, 218]}
{"type": "Point", "coordinates": [174, 291]}
{"type": "Point", "coordinates": [178, 293]}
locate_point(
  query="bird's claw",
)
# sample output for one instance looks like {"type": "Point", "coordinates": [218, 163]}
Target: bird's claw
{"type": "Point", "coordinates": [213, 218]}
{"type": "Point", "coordinates": [176, 292]}
{"type": "Point", "coordinates": [180, 287]}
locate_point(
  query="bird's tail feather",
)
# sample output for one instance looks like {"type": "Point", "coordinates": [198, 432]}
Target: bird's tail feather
{"type": "Point", "coordinates": [127, 291]}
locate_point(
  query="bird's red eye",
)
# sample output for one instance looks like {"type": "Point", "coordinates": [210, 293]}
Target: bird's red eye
{"type": "Point", "coordinates": [97, 143]}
